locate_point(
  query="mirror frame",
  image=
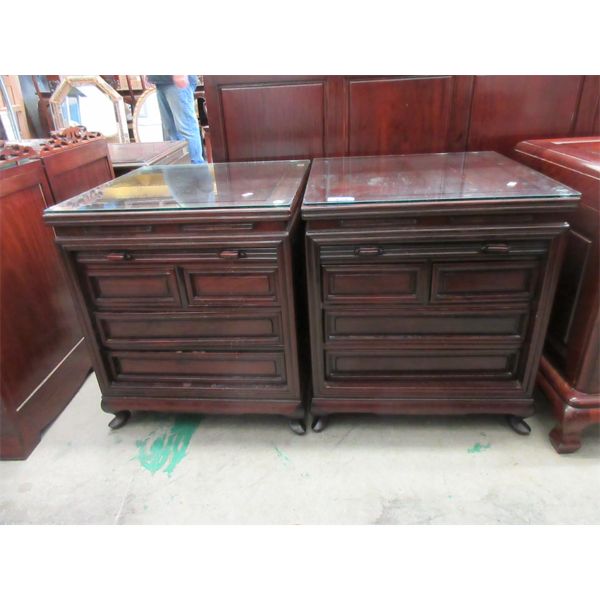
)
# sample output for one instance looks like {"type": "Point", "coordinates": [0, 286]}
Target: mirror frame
{"type": "Point", "coordinates": [136, 113]}
{"type": "Point", "coordinates": [63, 89]}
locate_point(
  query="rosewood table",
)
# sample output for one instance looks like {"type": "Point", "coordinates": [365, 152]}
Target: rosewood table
{"type": "Point", "coordinates": [569, 371]}
{"type": "Point", "coordinates": [183, 278]}
{"type": "Point", "coordinates": [430, 282]}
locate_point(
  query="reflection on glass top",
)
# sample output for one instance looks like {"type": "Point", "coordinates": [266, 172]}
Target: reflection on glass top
{"type": "Point", "coordinates": [195, 187]}
{"type": "Point", "coordinates": [422, 177]}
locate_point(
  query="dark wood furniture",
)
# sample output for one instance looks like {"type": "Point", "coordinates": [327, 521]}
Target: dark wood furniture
{"type": "Point", "coordinates": [270, 117]}
{"type": "Point", "coordinates": [430, 282]}
{"type": "Point", "coordinates": [77, 167]}
{"type": "Point", "coordinates": [74, 160]}
{"type": "Point", "coordinates": [569, 371]}
{"type": "Point", "coordinates": [127, 157]}
{"type": "Point", "coordinates": [183, 278]}
{"type": "Point", "coordinates": [43, 358]}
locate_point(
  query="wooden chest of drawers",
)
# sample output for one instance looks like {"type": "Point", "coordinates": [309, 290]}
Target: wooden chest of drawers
{"type": "Point", "coordinates": [430, 280]}
{"type": "Point", "coordinates": [184, 282]}
{"type": "Point", "coordinates": [569, 371]}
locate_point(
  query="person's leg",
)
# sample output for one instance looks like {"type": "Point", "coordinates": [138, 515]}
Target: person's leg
{"type": "Point", "coordinates": [166, 116]}
{"type": "Point", "coordinates": [181, 103]}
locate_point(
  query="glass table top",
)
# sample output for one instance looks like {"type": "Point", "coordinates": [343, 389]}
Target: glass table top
{"type": "Point", "coordinates": [272, 184]}
{"type": "Point", "coordinates": [426, 177]}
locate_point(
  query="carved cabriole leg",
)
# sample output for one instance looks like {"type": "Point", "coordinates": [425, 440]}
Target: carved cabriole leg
{"type": "Point", "coordinates": [572, 420]}
{"type": "Point", "coordinates": [566, 436]}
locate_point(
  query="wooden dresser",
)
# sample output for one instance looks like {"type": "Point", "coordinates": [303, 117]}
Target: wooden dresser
{"type": "Point", "coordinates": [184, 282]}
{"type": "Point", "coordinates": [569, 371]}
{"type": "Point", "coordinates": [430, 282]}
{"type": "Point", "coordinates": [127, 157]}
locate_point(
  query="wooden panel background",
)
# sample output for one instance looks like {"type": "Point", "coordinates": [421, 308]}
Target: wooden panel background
{"type": "Point", "coordinates": [277, 117]}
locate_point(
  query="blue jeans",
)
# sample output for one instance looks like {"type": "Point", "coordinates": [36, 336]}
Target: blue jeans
{"type": "Point", "coordinates": [178, 114]}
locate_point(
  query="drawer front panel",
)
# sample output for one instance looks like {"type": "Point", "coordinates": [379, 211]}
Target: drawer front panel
{"type": "Point", "coordinates": [234, 286]}
{"type": "Point", "coordinates": [376, 283]}
{"type": "Point", "coordinates": [217, 255]}
{"type": "Point", "coordinates": [187, 368]}
{"type": "Point", "coordinates": [394, 365]}
{"type": "Point", "coordinates": [151, 330]}
{"type": "Point", "coordinates": [387, 324]}
{"type": "Point", "coordinates": [377, 253]}
{"type": "Point", "coordinates": [125, 286]}
{"type": "Point", "coordinates": [484, 281]}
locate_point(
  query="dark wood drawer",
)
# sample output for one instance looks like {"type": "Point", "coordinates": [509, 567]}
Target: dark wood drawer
{"type": "Point", "coordinates": [181, 330]}
{"type": "Point", "coordinates": [350, 324]}
{"type": "Point", "coordinates": [374, 365]}
{"type": "Point", "coordinates": [218, 254]}
{"type": "Point", "coordinates": [236, 285]}
{"type": "Point", "coordinates": [378, 253]}
{"type": "Point", "coordinates": [484, 281]}
{"type": "Point", "coordinates": [132, 286]}
{"type": "Point", "coordinates": [185, 369]}
{"type": "Point", "coordinates": [406, 283]}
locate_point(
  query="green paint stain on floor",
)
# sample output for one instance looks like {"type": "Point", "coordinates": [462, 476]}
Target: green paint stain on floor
{"type": "Point", "coordinates": [478, 448]}
{"type": "Point", "coordinates": [283, 456]}
{"type": "Point", "coordinates": [166, 451]}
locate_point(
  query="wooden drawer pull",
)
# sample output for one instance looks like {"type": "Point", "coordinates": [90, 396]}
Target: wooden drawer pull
{"type": "Point", "coordinates": [368, 251]}
{"type": "Point", "coordinates": [495, 248]}
{"type": "Point", "coordinates": [232, 254]}
{"type": "Point", "coordinates": [119, 256]}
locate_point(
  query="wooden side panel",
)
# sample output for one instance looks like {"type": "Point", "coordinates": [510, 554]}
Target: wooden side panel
{"type": "Point", "coordinates": [38, 323]}
{"type": "Point", "coordinates": [42, 360]}
{"type": "Point", "coordinates": [255, 118]}
{"type": "Point", "coordinates": [508, 109]}
{"type": "Point", "coordinates": [267, 118]}
{"type": "Point", "coordinates": [75, 170]}
{"type": "Point", "coordinates": [405, 115]}
{"type": "Point", "coordinates": [588, 116]}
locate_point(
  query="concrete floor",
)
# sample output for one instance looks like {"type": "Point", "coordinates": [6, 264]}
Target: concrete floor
{"type": "Point", "coordinates": [161, 469]}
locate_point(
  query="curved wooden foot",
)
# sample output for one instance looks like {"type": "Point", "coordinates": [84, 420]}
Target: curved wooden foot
{"type": "Point", "coordinates": [120, 419]}
{"type": "Point", "coordinates": [565, 442]}
{"type": "Point", "coordinates": [319, 423]}
{"type": "Point", "coordinates": [298, 426]}
{"type": "Point", "coordinates": [518, 425]}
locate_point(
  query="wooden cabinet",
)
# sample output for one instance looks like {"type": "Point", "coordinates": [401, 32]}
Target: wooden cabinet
{"type": "Point", "coordinates": [269, 117]}
{"type": "Point", "coordinates": [43, 357]}
{"type": "Point", "coordinates": [570, 369]}
{"type": "Point", "coordinates": [430, 281]}
{"type": "Point", "coordinates": [185, 280]}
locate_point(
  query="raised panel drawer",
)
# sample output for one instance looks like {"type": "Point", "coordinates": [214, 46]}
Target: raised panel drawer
{"type": "Point", "coordinates": [184, 369]}
{"type": "Point", "coordinates": [206, 285]}
{"type": "Point", "coordinates": [349, 324]}
{"type": "Point", "coordinates": [375, 365]}
{"type": "Point", "coordinates": [378, 253]}
{"type": "Point", "coordinates": [181, 330]}
{"type": "Point", "coordinates": [216, 255]}
{"type": "Point", "coordinates": [132, 286]}
{"type": "Point", "coordinates": [485, 281]}
{"type": "Point", "coordinates": [406, 283]}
